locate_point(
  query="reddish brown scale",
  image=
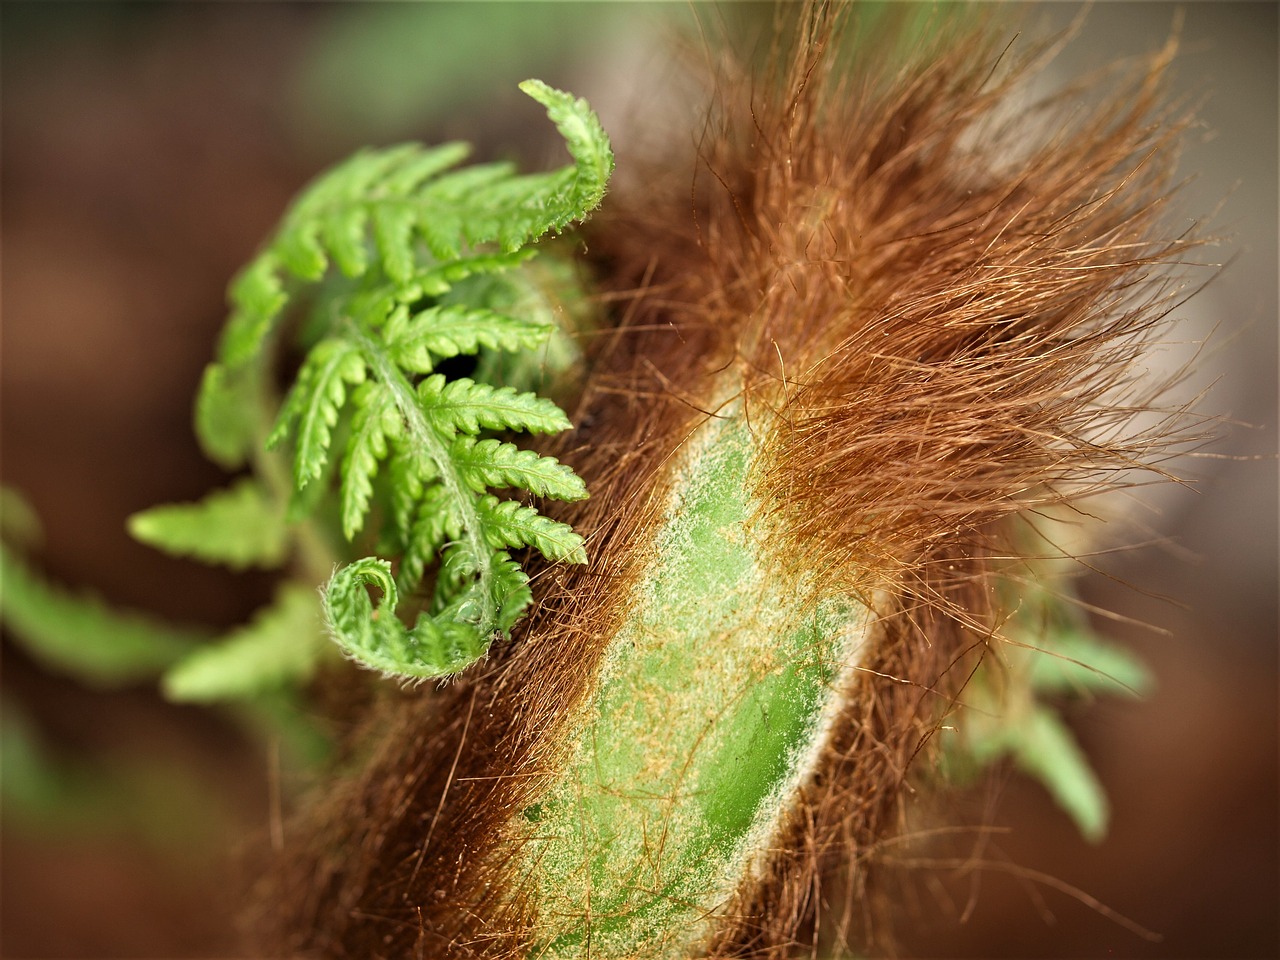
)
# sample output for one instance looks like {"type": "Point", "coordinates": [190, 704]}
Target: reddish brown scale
{"type": "Point", "coordinates": [943, 310]}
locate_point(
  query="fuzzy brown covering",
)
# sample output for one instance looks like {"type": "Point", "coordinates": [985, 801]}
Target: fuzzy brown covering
{"type": "Point", "coordinates": [943, 310]}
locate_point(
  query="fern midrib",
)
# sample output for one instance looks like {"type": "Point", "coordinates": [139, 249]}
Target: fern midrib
{"type": "Point", "coordinates": [422, 437]}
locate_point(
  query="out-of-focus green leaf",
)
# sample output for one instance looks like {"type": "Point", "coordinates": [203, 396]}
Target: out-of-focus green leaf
{"type": "Point", "coordinates": [280, 647]}
{"type": "Point", "coordinates": [1075, 662]}
{"type": "Point", "coordinates": [19, 524]}
{"type": "Point", "coordinates": [240, 526]}
{"type": "Point", "coordinates": [79, 635]}
{"type": "Point", "coordinates": [1045, 749]}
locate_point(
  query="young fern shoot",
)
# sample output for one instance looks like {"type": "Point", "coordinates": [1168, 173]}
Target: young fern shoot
{"type": "Point", "coordinates": [429, 263]}
{"type": "Point", "coordinates": [428, 429]}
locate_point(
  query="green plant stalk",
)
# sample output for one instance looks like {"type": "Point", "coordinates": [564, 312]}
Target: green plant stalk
{"type": "Point", "coordinates": [711, 709]}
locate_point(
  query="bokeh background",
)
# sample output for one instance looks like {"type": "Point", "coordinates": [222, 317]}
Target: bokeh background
{"type": "Point", "coordinates": [147, 148]}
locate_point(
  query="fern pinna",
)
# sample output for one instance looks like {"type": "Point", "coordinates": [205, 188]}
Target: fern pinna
{"type": "Point", "coordinates": [429, 261]}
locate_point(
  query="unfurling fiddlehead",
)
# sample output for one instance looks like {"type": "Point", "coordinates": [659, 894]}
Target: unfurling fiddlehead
{"type": "Point", "coordinates": [431, 265]}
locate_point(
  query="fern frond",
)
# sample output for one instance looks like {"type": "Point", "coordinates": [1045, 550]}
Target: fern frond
{"type": "Point", "coordinates": [436, 280]}
{"type": "Point", "coordinates": [1077, 662]}
{"type": "Point", "coordinates": [381, 239]}
{"type": "Point", "coordinates": [404, 492]}
{"type": "Point", "coordinates": [587, 143]}
{"type": "Point", "coordinates": [549, 290]}
{"type": "Point", "coordinates": [226, 415]}
{"type": "Point", "coordinates": [330, 218]}
{"type": "Point", "coordinates": [510, 590]}
{"type": "Point", "coordinates": [393, 233]}
{"type": "Point", "coordinates": [436, 522]}
{"type": "Point", "coordinates": [455, 199]}
{"type": "Point", "coordinates": [464, 406]}
{"type": "Point", "coordinates": [580, 191]}
{"type": "Point", "coordinates": [394, 195]}
{"type": "Point", "coordinates": [257, 299]}
{"type": "Point", "coordinates": [435, 647]}
{"type": "Point", "coordinates": [1053, 654]}
{"type": "Point", "coordinates": [375, 422]}
{"type": "Point", "coordinates": [438, 333]}
{"type": "Point", "coordinates": [464, 595]}
{"type": "Point", "coordinates": [511, 524]}
{"type": "Point", "coordinates": [240, 526]}
{"type": "Point", "coordinates": [493, 463]}
{"type": "Point", "coordinates": [79, 635]}
{"type": "Point", "coordinates": [1043, 748]}
{"type": "Point", "coordinates": [280, 647]}
{"type": "Point", "coordinates": [314, 402]}
{"type": "Point", "coordinates": [19, 522]}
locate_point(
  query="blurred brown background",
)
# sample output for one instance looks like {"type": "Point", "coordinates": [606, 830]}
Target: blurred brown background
{"type": "Point", "coordinates": [146, 150]}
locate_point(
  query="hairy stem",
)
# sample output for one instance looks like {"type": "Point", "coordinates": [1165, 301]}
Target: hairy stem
{"type": "Point", "coordinates": [710, 712]}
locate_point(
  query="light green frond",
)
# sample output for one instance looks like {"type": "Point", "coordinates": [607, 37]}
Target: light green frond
{"type": "Point", "coordinates": [1077, 662]}
{"type": "Point", "coordinates": [438, 279]}
{"type": "Point", "coordinates": [226, 415]}
{"type": "Point", "coordinates": [405, 486]}
{"type": "Point", "coordinates": [491, 463]}
{"type": "Point", "coordinates": [78, 635]}
{"type": "Point", "coordinates": [1045, 749]}
{"type": "Point", "coordinates": [240, 526]}
{"type": "Point", "coordinates": [464, 406]}
{"type": "Point", "coordinates": [437, 333]}
{"type": "Point", "coordinates": [280, 647]}
{"type": "Point", "coordinates": [330, 217]}
{"type": "Point", "coordinates": [376, 420]}
{"type": "Point", "coordinates": [393, 233]}
{"type": "Point", "coordinates": [371, 247]}
{"type": "Point", "coordinates": [436, 522]}
{"type": "Point", "coordinates": [373, 208]}
{"type": "Point", "coordinates": [314, 403]}
{"type": "Point", "coordinates": [257, 299]}
{"type": "Point", "coordinates": [482, 587]}
{"type": "Point", "coordinates": [510, 591]}
{"type": "Point", "coordinates": [343, 232]}
{"type": "Point", "coordinates": [588, 144]}
{"type": "Point", "coordinates": [550, 291]}
{"type": "Point", "coordinates": [19, 522]}
{"type": "Point", "coordinates": [1010, 710]}
{"type": "Point", "coordinates": [511, 524]}
{"type": "Point", "coordinates": [378, 639]}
